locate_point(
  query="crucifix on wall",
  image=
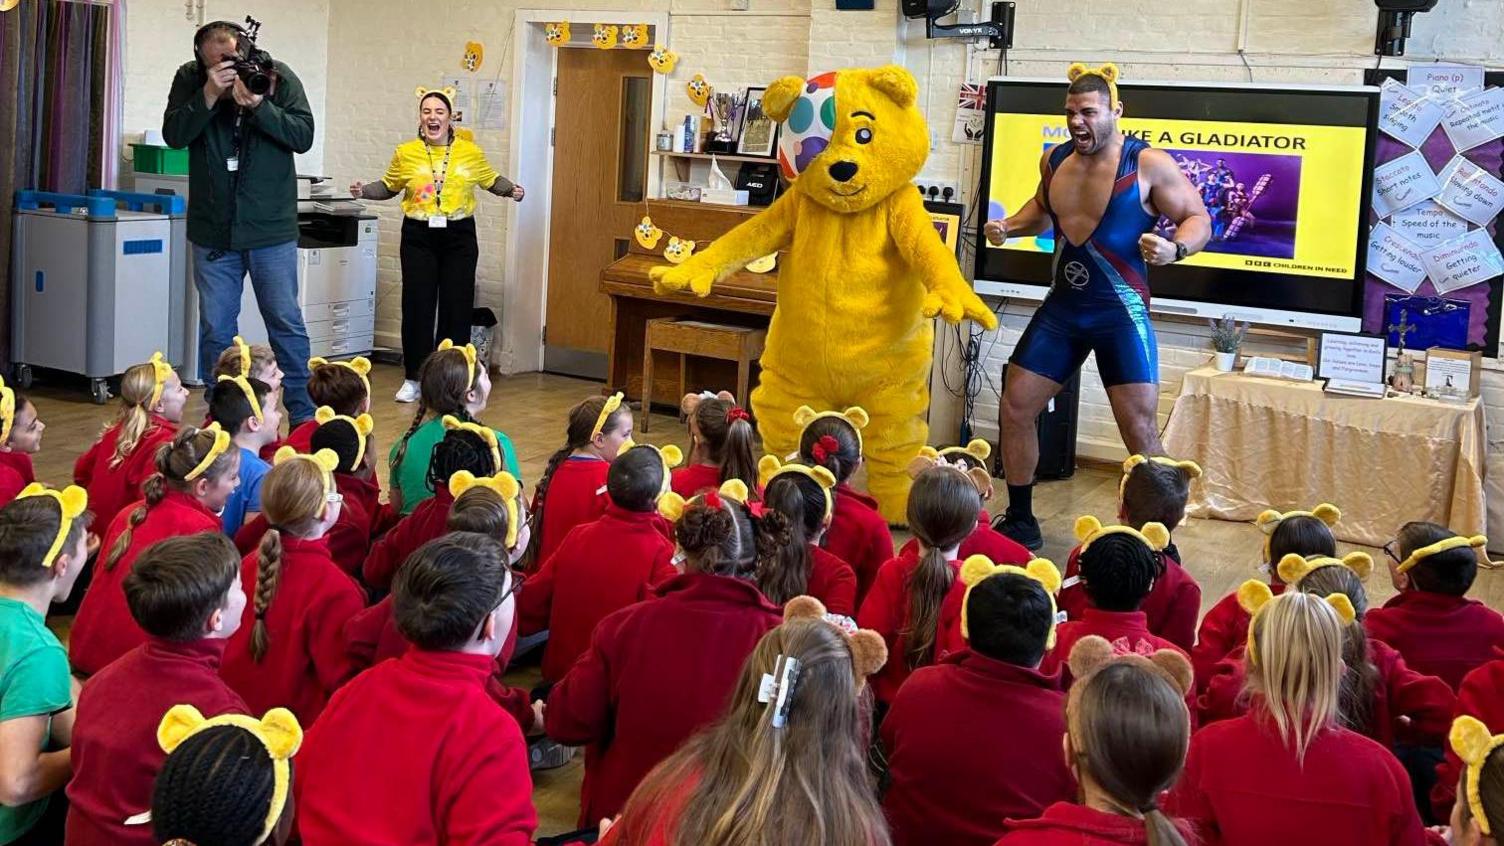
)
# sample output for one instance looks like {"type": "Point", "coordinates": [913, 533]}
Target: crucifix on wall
{"type": "Point", "coordinates": [1402, 328]}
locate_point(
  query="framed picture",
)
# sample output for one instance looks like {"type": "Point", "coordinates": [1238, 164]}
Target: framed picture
{"type": "Point", "coordinates": [1352, 358]}
{"type": "Point", "coordinates": [1452, 374]}
{"type": "Point", "coordinates": [947, 220]}
{"type": "Point", "coordinates": [759, 135]}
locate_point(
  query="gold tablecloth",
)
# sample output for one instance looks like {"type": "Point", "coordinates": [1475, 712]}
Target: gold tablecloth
{"type": "Point", "coordinates": [1267, 443]}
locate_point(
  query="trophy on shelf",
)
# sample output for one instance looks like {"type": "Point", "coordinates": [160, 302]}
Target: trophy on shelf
{"type": "Point", "coordinates": [725, 110]}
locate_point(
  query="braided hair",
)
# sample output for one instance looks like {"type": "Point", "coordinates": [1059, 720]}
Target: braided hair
{"type": "Point", "coordinates": [294, 500]}
{"type": "Point", "coordinates": [214, 789]}
{"type": "Point", "coordinates": [459, 450]}
{"type": "Point", "coordinates": [174, 462]}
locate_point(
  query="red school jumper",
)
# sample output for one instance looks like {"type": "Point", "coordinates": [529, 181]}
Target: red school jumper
{"type": "Point", "coordinates": [349, 539]}
{"type": "Point", "coordinates": [1478, 697]}
{"type": "Point", "coordinates": [1128, 630]}
{"type": "Point", "coordinates": [1172, 605]}
{"type": "Point", "coordinates": [111, 489]}
{"type": "Point", "coordinates": [1407, 706]}
{"type": "Point", "coordinates": [953, 780]}
{"type": "Point", "coordinates": [1444, 636]}
{"type": "Point", "coordinates": [305, 660]}
{"type": "Point", "coordinates": [1242, 786]}
{"type": "Point", "coordinates": [983, 540]}
{"type": "Point", "coordinates": [576, 495]}
{"type": "Point", "coordinates": [1223, 630]}
{"type": "Point", "coordinates": [886, 611]}
{"type": "Point", "coordinates": [655, 673]}
{"type": "Point", "coordinates": [104, 629]}
{"type": "Point", "coordinates": [371, 637]}
{"type": "Point", "coordinates": [413, 751]}
{"type": "Point", "coordinates": [600, 567]}
{"type": "Point", "coordinates": [859, 536]}
{"type": "Point", "coordinates": [429, 520]}
{"type": "Point", "coordinates": [115, 752]}
{"type": "Point", "coordinates": [832, 581]}
{"type": "Point", "coordinates": [688, 481]}
{"type": "Point", "coordinates": [16, 472]}
{"type": "Point", "coordinates": [1068, 824]}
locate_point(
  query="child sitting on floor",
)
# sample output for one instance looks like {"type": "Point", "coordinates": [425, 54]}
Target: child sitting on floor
{"type": "Point", "coordinates": [461, 773]}
{"type": "Point", "coordinates": [20, 439]}
{"type": "Point", "coordinates": [42, 547]}
{"type": "Point", "coordinates": [605, 564]}
{"type": "Point", "coordinates": [573, 487]}
{"type": "Point", "coordinates": [1478, 814]}
{"type": "Point", "coordinates": [915, 604]}
{"type": "Point", "coordinates": [1225, 626]}
{"type": "Point", "coordinates": [613, 698]}
{"type": "Point", "coordinates": [857, 535]}
{"type": "Point", "coordinates": [983, 540]}
{"type": "Point", "coordinates": [185, 593]}
{"type": "Point", "coordinates": [1153, 490]}
{"type": "Point", "coordinates": [247, 409]}
{"type": "Point", "coordinates": [798, 503]}
{"type": "Point", "coordinates": [467, 447]}
{"type": "Point", "coordinates": [344, 387]}
{"type": "Point", "coordinates": [721, 444]}
{"type": "Point", "coordinates": [251, 362]}
{"type": "Point", "coordinates": [454, 383]}
{"type": "Point", "coordinates": [954, 778]}
{"type": "Point", "coordinates": [116, 467]}
{"type": "Point", "coordinates": [290, 648]}
{"type": "Point", "coordinates": [1431, 621]}
{"type": "Point", "coordinates": [785, 764]}
{"type": "Point", "coordinates": [195, 475]}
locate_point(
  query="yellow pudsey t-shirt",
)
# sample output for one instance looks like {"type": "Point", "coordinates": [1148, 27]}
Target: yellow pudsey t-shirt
{"type": "Point", "coordinates": [413, 171]}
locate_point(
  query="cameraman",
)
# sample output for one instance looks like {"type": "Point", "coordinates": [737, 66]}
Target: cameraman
{"type": "Point", "coordinates": [243, 214]}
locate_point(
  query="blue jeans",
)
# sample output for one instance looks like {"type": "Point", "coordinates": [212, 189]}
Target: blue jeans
{"type": "Point", "coordinates": [219, 276]}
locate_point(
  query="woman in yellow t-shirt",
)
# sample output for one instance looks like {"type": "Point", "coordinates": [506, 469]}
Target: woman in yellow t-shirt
{"type": "Point", "coordinates": [437, 174]}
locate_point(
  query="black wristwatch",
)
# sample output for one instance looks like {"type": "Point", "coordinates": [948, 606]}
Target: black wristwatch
{"type": "Point", "coordinates": [1181, 251]}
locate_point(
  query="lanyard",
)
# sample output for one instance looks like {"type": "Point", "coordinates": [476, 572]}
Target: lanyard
{"type": "Point", "coordinates": [438, 178]}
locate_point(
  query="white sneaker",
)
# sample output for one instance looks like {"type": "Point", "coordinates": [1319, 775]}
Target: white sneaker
{"type": "Point", "coordinates": [408, 392]}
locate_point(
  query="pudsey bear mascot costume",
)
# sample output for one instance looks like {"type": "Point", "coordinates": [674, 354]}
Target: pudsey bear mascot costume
{"type": "Point", "coordinates": [863, 270]}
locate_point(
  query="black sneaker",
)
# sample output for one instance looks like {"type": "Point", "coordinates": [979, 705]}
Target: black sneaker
{"type": "Point", "coordinates": [1022, 528]}
{"type": "Point", "coordinates": [545, 754]}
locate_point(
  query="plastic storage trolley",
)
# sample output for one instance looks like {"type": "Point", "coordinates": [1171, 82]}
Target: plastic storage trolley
{"type": "Point", "coordinates": [96, 280]}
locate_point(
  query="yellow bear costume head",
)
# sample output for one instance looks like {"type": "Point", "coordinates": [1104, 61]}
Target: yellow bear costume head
{"type": "Point", "coordinates": [877, 141]}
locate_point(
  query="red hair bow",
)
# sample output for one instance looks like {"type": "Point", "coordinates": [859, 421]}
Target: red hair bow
{"type": "Point", "coordinates": [737, 413]}
{"type": "Point", "coordinates": [824, 447]}
{"type": "Point", "coordinates": [756, 509]}
{"type": "Point", "coordinates": [712, 499]}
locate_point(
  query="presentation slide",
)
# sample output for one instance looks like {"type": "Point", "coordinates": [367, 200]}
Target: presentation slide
{"type": "Point", "coordinates": [1284, 198]}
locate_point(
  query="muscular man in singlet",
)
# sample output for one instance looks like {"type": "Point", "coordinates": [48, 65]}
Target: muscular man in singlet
{"type": "Point", "coordinates": [1102, 193]}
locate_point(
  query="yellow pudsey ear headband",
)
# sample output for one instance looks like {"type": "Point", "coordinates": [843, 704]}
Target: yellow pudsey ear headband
{"type": "Point", "coordinates": [1089, 529]}
{"type": "Point", "coordinates": [1269, 520]}
{"type": "Point", "coordinates": [613, 402]}
{"type": "Point", "coordinates": [447, 92]}
{"type": "Point", "coordinates": [278, 731]}
{"type": "Point", "coordinates": [245, 355]}
{"type": "Point", "coordinates": [363, 426]}
{"type": "Point", "coordinates": [855, 415]}
{"type": "Point", "coordinates": [770, 468]}
{"type": "Point", "coordinates": [359, 364]}
{"type": "Point", "coordinates": [1254, 596]}
{"type": "Point", "coordinates": [979, 567]}
{"type": "Point", "coordinates": [72, 501]}
{"type": "Point", "coordinates": [220, 446]}
{"type": "Point", "coordinates": [671, 455]}
{"type": "Point", "coordinates": [1107, 72]}
{"type": "Point", "coordinates": [7, 411]}
{"type": "Point", "coordinates": [470, 358]}
{"type": "Point", "coordinates": [325, 459]}
{"type": "Point", "coordinates": [161, 371]}
{"type": "Point", "coordinates": [671, 505]}
{"type": "Point", "coordinates": [453, 424]}
{"type": "Point", "coordinates": [244, 385]}
{"type": "Point", "coordinates": [504, 484]}
{"type": "Point", "coordinates": [1447, 544]}
{"type": "Point", "coordinates": [1472, 742]}
{"type": "Point", "coordinates": [977, 448]}
{"type": "Point", "coordinates": [1190, 468]}
{"type": "Point", "coordinates": [1294, 567]}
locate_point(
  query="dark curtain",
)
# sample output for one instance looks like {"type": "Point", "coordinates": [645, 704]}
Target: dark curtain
{"type": "Point", "coordinates": [54, 67]}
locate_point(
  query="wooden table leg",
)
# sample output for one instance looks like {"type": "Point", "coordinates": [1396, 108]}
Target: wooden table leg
{"type": "Point", "coordinates": [647, 385]}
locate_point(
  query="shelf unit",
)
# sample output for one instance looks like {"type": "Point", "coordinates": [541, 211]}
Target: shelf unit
{"type": "Point", "coordinates": [683, 164]}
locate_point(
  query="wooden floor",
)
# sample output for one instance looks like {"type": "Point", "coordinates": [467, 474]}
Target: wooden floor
{"type": "Point", "coordinates": [532, 408]}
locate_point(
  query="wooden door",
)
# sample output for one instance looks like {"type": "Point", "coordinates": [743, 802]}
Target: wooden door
{"type": "Point", "coordinates": [602, 134]}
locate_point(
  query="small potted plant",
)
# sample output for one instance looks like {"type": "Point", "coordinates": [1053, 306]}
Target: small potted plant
{"type": "Point", "coordinates": [1227, 339]}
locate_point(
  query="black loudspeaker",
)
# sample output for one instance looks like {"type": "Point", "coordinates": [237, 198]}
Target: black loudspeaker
{"type": "Point", "coordinates": [760, 181]}
{"type": "Point", "coordinates": [1057, 434]}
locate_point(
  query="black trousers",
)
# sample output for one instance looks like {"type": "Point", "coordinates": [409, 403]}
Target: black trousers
{"type": "Point", "coordinates": [438, 280]}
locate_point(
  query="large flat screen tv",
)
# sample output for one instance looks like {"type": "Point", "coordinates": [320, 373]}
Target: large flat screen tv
{"type": "Point", "coordinates": [1285, 171]}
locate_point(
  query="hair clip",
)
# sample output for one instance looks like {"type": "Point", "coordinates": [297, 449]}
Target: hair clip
{"type": "Point", "coordinates": [777, 688]}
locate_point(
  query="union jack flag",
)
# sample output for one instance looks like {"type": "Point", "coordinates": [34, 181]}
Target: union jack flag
{"type": "Point", "coordinates": [972, 96]}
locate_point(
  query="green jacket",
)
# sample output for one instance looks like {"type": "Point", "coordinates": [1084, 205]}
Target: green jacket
{"type": "Point", "coordinates": [258, 205]}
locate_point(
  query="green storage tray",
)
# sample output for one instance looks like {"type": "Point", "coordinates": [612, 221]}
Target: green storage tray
{"type": "Point", "coordinates": [167, 160]}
